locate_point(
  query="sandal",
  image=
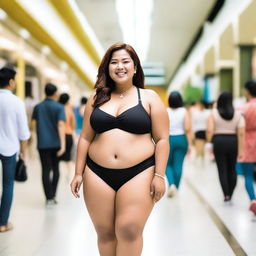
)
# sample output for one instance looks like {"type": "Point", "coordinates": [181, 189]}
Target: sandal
{"type": "Point", "coordinates": [6, 227]}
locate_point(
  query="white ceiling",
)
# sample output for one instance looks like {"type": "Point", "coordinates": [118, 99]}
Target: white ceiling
{"type": "Point", "coordinates": [174, 26]}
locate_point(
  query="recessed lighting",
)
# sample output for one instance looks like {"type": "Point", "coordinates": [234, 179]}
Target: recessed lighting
{"type": "Point", "coordinates": [46, 50]}
{"type": "Point", "coordinates": [3, 14]}
{"type": "Point", "coordinates": [24, 33]}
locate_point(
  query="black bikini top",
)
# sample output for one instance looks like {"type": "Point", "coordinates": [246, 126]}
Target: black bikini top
{"type": "Point", "coordinates": [134, 120]}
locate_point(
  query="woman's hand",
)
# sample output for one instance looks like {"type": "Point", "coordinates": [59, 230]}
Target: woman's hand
{"type": "Point", "coordinates": [157, 188]}
{"type": "Point", "coordinates": [76, 184]}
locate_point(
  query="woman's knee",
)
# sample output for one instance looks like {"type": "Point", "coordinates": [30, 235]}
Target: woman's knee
{"type": "Point", "coordinates": [128, 232]}
{"type": "Point", "coordinates": [105, 234]}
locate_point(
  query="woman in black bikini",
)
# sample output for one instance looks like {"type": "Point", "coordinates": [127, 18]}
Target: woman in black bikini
{"type": "Point", "coordinates": [122, 153]}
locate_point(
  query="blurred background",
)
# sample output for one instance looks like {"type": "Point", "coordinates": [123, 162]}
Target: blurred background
{"type": "Point", "coordinates": [198, 47]}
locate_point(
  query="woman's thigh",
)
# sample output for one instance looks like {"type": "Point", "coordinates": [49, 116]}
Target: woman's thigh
{"type": "Point", "coordinates": [134, 202]}
{"type": "Point", "coordinates": [100, 201]}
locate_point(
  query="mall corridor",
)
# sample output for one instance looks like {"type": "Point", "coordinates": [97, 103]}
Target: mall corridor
{"type": "Point", "coordinates": [165, 72]}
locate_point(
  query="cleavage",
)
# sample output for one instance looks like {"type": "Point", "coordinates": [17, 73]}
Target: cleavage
{"type": "Point", "coordinates": [115, 116]}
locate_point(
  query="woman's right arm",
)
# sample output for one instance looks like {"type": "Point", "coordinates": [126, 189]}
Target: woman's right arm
{"type": "Point", "coordinates": [84, 142]}
{"type": "Point", "coordinates": [210, 128]}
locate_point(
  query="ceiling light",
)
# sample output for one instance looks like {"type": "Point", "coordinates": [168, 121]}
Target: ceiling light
{"type": "Point", "coordinates": [24, 33]}
{"type": "Point", "coordinates": [135, 18]}
{"type": "Point", "coordinates": [63, 66]}
{"type": "Point", "coordinates": [3, 14]}
{"type": "Point", "coordinates": [7, 44]}
{"type": "Point", "coordinates": [46, 50]}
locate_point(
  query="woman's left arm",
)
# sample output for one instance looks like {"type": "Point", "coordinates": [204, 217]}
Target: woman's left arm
{"type": "Point", "coordinates": [160, 135]}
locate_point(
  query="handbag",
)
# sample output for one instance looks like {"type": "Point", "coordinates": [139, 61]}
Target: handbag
{"type": "Point", "coordinates": [21, 171]}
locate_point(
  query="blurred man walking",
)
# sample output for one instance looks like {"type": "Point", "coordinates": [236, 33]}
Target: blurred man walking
{"type": "Point", "coordinates": [14, 133]}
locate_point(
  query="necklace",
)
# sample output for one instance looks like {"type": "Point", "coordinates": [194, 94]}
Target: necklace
{"type": "Point", "coordinates": [121, 95]}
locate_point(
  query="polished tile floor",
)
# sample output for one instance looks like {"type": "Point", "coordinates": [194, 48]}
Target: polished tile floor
{"type": "Point", "coordinates": [196, 222]}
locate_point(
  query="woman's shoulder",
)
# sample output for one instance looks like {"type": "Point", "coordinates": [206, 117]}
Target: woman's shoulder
{"type": "Point", "coordinates": [150, 95]}
{"type": "Point", "coordinates": [148, 92]}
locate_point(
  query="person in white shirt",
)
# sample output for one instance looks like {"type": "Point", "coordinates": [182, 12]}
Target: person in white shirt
{"type": "Point", "coordinates": [199, 124]}
{"type": "Point", "coordinates": [14, 133]}
{"type": "Point", "coordinates": [179, 138]}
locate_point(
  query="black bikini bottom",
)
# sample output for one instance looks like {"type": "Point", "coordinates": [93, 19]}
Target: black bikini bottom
{"type": "Point", "coordinates": [116, 178]}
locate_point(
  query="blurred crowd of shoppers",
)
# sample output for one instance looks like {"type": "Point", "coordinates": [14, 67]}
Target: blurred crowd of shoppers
{"type": "Point", "coordinates": [54, 123]}
{"type": "Point", "coordinates": [230, 131]}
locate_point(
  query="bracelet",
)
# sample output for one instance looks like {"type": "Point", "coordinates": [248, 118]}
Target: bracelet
{"type": "Point", "coordinates": [159, 175]}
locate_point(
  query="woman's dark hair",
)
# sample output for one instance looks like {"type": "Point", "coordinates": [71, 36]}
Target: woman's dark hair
{"type": "Point", "coordinates": [225, 105]}
{"type": "Point", "coordinates": [50, 89]}
{"type": "Point", "coordinates": [6, 74]}
{"type": "Point", "coordinates": [250, 86]}
{"type": "Point", "coordinates": [104, 84]}
{"type": "Point", "coordinates": [64, 97]}
{"type": "Point", "coordinates": [175, 100]}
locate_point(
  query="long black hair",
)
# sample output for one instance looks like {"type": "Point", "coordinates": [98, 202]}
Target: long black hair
{"type": "Point", "coordinates": [225, 105]}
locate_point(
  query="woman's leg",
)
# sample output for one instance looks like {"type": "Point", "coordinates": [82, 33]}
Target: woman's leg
{"type": "Point", "coordinates": [133, 206]}
{"type": "Point", "coordinates": [248, 169]}
{"type": "Point", "coordinates": [231, 161]}
{"type": "Point", "coordinates": [221, 162]}
{"type": "Point", "coordinates": [100, 201]}
{"type": "Point", "coordinates": [181, 147]}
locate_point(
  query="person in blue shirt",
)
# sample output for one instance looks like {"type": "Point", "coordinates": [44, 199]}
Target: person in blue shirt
{"type": "Point", "coordinates": [49, 119]}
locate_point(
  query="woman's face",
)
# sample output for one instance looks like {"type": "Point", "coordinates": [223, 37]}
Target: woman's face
{"type": "Point", "coordinates": [121, 67]}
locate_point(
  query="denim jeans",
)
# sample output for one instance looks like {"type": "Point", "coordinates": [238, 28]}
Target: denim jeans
{"type": "Point", "coordinates": [8, 166]}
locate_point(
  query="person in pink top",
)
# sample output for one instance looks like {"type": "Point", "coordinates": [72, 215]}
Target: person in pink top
{"type": "Point", "coordinates": [248, 159]}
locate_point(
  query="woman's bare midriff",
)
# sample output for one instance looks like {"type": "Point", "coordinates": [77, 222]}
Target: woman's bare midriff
{"type": "Point", "coordinates": [119, 149]}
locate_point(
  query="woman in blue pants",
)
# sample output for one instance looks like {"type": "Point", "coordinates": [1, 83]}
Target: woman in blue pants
{"type": "Point", "coordinates": [179, 138]}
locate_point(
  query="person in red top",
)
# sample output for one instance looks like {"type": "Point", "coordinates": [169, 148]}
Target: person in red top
{"type": "Point", "coordinates": [248, 159]}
